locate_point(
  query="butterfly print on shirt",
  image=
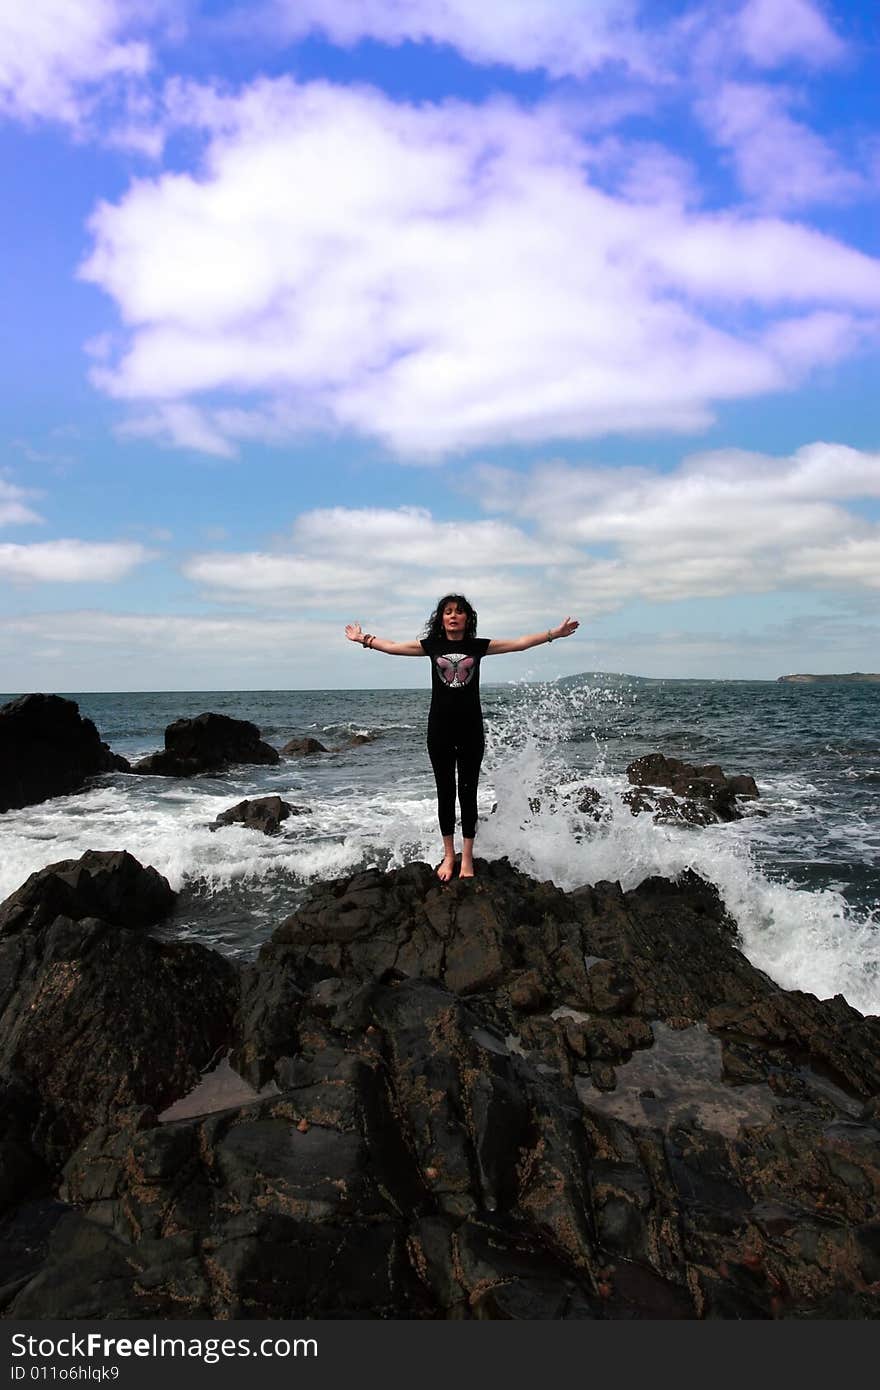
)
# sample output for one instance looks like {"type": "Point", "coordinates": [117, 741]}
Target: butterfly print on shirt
{"type": "Point", "coordinates": [456, 669]}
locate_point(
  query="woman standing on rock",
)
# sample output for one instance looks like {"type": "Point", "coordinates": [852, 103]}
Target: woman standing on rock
{"type": "Point", "coordinates": [455, 721]}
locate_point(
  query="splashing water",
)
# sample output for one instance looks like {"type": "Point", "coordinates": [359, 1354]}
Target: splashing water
{"type": "Point", "coordinates": [548, 827]}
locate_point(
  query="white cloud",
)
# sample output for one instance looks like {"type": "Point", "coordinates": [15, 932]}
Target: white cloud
{"type": "Point", "coordinates": [181, 423]}
{"type": "Point", "coordinates": [347, 559]}
{"type": "Point", "coordinates": [780, 162]}
{"type": "Point", "coordinates": [572, 38]}
{"type": "Point", "coordinates": [410, 536]}
{"type": "Point", "coordinates": [255, 573]}
{"type": "Point", "coordinates": [589, 540]}
{"type": "Point", "coordinates": [774, 32]}
{"type": "Point", "coordinates": [14, 510]}
{"type": "Point", "coordinates": [568, 38]}
{"type": "Point", "coordinates": [442, 277]}
{"type": "Point", "coordinates": [55, 55]}
{"type": "Point", "coordinates": [725, 522]}
{"type": "Point", "coordinates": [718, 38]}
{"type": "Point", "coordinates": [821, 337]}
{"type": "Point", "coordinates": [71, 561]}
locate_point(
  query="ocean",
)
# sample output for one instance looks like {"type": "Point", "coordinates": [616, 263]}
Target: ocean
{"type": "Point", "coordinates": [800, 873]}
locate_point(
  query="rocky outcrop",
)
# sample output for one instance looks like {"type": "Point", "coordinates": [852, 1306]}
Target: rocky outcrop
{"type": "Point", "coordinates": [48, 749]}
{"type": "Point", "coordinates": [851, 678]}
{"type": "Point", "coordinates": [486, 1099]}
{"type": "Point", "coordinates": [264, 813]}
{"type": "Point", "coordinates": [700, 794]}
{"type": "Point", "coordinates": [109, 884]}
{"type": "Point", "coordinates": [208, 743]}
{"type": "Point", "coordinates": [303, 747]}
{"type": "Point", "coordinates": [95, 1015]}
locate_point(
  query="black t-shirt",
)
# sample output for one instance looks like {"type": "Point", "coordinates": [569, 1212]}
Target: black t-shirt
{"type": "Point", "coordinates": [455, 680]}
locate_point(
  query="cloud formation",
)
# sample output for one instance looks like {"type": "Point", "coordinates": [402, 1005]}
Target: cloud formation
{"type": "Point", "coordinates": [14, 510]}
{"type": "Point", "coordinates": [780, 162]}
{"type": "Point", "coordinates": [571, 38]}
{"type": "Point", "coordinates": [776, 32]}
{"type": "Point", "coordinates": [590, 539]}
{"type": "Point", "coordinates": [567, 38]}
{"type": "Point", "coordinates": [57, 56]}
{"type": "Point", "coordinates": [391, 561]}
{"type": "Point", "coordinates": [722, 523]}
{"type": "Point", "coordinates": [71, 561]}
{"type": "Point", "coordinates": [442, 277]}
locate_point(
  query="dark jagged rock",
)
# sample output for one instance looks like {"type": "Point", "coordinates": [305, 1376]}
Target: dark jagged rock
{"type": "Point", "coordinates": [493, 1099]}
{"type": "Point", "coordinates": [48, 749]}
{"type": "Point", "coordinates": [208, 743]}
{"type": "Point", "coordinates": [95, 1016]}
{"type": "Point", "coordinates": [700, 795]}
{"type": "Point", "coordinates": [264, 813]}
{"type": "Point", "coordinates": [109, 884]}
{"type": "Point", "coordinates": [303, 747]}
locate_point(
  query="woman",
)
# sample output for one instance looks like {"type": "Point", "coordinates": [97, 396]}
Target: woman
{"type": "Point", "coordinates": [455, 721]}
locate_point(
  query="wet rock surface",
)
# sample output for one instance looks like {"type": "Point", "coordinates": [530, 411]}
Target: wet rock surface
{"type": "Point", "coordinates": [48, 749]}
{"type": "Point", "coordinates": [486, 1099]}
{"type": "Point", "coordinates": [208, 743]}
{"type": "Point", "coordinates": [700, 794]}
{"type": "Point", "coordinates": [303, 747]}
{"type": "Point", "coordinates": [263, 813]}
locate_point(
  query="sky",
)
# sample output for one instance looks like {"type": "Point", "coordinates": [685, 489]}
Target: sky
{"type": "Point", "coordinates": [314, 310]}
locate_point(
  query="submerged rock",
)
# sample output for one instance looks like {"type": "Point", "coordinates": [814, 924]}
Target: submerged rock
{"type": "Point", "coordinates": [48, 749]}
{"type": "Point", "coordinates": [208, 743]}
{"type": "Point", "coordinates": [700, 794]}
{"type": "Point", "coordinates": [485, 1099]}
{"type": "Point", "coordinates": [302, 747]}
{"type": "Point", "coordinates": [264, 813]}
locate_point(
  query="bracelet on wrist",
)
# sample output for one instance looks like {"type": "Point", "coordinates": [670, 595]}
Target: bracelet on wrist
{"type": "Point", "coordinates": [549, 635]}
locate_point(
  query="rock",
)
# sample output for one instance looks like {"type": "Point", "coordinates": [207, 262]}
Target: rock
{"type": "Point", "coordinates": [590, 803]}
{"type": "Point", "coordinates": [264, 813]}
{"type": "Point", "coordinates": [96, 1016]}
{"type": "Point", "coordinates": [484, 1099]}
{"type": "Point", "coordinates": [298, 747]}
{"type": "Point", "coordinates": [700, 794]}
{"type": "Point", "coordinates": [25, 1243]}
{"type": "Point", "coordinates": [208, 743]}
{"type": "Point", "coordinates": [109, 884]}
{"type": "Point", "coordinates": [48, 749]}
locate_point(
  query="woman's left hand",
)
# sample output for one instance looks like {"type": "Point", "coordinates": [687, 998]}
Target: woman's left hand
{"type": "Point", "coordinates": [565, 628]}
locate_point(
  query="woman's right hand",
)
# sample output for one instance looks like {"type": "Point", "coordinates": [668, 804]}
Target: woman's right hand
{"type": "Point", "coordinates": [354, 632]}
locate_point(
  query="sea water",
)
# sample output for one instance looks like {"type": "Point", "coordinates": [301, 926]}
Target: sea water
{"type": "Point", "coordinates": [800, 873]}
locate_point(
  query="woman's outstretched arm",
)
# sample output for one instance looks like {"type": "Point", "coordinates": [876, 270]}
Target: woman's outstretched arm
{"type": "Point", "coordinates": [354, 633]}
{"type": "Point", "coordinates": [522, 644]}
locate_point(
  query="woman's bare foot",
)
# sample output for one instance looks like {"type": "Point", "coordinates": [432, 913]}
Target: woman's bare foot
{"type": "Point", "coordinates": [466, 869]}
{"type": "Point", "coordinates": [446, 868]}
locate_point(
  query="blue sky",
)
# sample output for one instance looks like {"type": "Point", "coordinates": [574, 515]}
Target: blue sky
{"type": "Point", "coordinates": [315, 309]}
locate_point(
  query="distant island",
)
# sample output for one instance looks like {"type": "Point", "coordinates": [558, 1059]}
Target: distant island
{"type": "Point", "coordinates": [853, 676]}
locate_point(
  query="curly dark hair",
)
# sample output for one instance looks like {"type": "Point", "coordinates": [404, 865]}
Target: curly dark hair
{"type": "Point", "coordinates": [434, 630]}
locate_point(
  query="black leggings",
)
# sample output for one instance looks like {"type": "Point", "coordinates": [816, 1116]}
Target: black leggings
{"type": "Point", "coordinates": [462, 752]}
